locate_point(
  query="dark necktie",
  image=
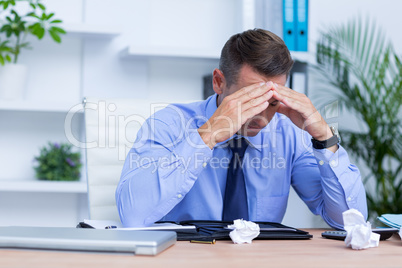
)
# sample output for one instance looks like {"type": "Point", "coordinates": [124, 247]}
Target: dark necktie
{"type": "Point", "coordinates": [235, 200]}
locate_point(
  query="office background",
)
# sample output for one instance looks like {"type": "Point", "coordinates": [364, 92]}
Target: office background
{"type": "Point", "coordinates": [156, 49]}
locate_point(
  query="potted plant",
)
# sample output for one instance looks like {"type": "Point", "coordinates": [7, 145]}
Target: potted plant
{"type": "Point", "coordinates": [367, 74]}
{"type": "Point", "coordinates": [15, 29]}
{"type": "Point", "coordinates": [57, 162]}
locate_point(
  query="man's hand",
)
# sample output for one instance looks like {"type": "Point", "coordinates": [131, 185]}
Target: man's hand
{"type": "Point", "coordinates": [234, 111]}
{"type": "Point", "coordinates": [299, 109]}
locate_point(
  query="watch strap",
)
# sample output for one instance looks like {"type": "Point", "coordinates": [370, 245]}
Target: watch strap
{"type": "Point", "coordinates": [325, 144]}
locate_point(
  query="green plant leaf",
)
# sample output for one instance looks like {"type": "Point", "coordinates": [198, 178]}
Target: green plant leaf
{"type": "Point", "coordinates": [55, 36]}
{"type": "Point", "coordinates": [18, 27]}
{"type": "Point", "coordinates": [41, 6]}
{"type": "Point", "coordinates": [57, 29]}
{"type": "Point", "coordinates": [48, 17]}
{"type": "Point", "coordinates": [32, 14]}
{"type": "Point", "coordinates": [25, 45]}
{"type": "Point", "coordinates": [40, 32]}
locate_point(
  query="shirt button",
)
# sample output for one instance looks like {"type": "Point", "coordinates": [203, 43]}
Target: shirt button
{"type": "Point", "coordinates": [179, 196]}
{"type": "Point", "coordinates": [349, 199]}
{"type": "Point", "coordinates": [321, 162]}
{"type": "Point", "coordinates": [333, 163]}
{"type": "Point", "coordinates": [204, 164]}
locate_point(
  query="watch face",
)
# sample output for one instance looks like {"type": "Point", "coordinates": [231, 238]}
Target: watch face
{"type": "Point", "coordinates": [335, 132]}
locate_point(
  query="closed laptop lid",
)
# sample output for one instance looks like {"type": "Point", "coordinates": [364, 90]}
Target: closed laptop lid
{"type": "Point", "coordinates": [64, 238]}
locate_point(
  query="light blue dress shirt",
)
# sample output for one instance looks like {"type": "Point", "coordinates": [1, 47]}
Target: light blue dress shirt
{"type": "Point", "coordinates": [170, 174]}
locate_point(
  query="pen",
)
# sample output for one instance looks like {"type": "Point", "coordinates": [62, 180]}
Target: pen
{"type": "Point", "coordinates": [201, 241]}
{"type": "Point", "coordinates": [111, 227]}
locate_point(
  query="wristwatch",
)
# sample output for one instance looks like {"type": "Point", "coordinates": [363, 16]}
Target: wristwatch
{"type": "Point", "coordinates": [335, 139]}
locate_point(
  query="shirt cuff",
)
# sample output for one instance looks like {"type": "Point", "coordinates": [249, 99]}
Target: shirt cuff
{"type": "Point", "coordinates": [332, 164]}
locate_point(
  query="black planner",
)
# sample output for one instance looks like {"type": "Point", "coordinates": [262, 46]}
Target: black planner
{"type": "Point", "coordinates": [217, 230]}
{"type": "Point", "coordinates": [206, 229]}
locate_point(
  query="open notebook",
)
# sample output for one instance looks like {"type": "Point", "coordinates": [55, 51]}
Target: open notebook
{"type": "Point", "coordinates": [64, 238]}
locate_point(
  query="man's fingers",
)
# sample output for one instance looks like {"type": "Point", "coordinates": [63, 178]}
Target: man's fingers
{"type": "Point", "coordinates": [287, 100]}
{"type": "Point", "coordinates": [257, 101]}
{"type": "Point", "coordinates": [245, 90]}
{"type": "Point", "coordinates": [284, 90]}
{"type": "Point", "coordinates": [299, 103]}
{"type": "Point", "coordinates": [265, 87]}
{"type": "Point", "coordinates": [283, 109]}
{"type": "Point", "coordinates": [249, 93]}
{"type": "Point", "coordinates": [289, 93]}
{"type": "Point", "coordinates": [291, 98]}
{"type": "Point", "coordinates": [254, 111]}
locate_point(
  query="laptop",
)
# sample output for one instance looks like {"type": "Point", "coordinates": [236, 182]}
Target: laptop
{"type": "Point", "coordinates": [76, 239]}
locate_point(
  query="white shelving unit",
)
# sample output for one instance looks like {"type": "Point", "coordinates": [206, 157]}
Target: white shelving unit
{"type": "Point", "coordinates": [53, 107]}
{"type": "Point", "coordinates": [91, 31]}
{"type": "Point", "coordinates": [39, 106]}
{"type": "Point", "coordinates": [33, 122]}
{"type": "Point", "coordinates": [43, 186]}
{"type": "Point", "coordinates": [168, 53]}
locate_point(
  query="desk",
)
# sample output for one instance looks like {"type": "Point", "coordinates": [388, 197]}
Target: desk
{"type": "Point", "coordinates": [317, 252]}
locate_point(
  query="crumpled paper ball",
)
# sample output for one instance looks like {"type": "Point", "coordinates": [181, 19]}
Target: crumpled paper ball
{"type": "Point", "coordinates": [244, 231]}
{"type": "Point", "coordinates": [359, 234]}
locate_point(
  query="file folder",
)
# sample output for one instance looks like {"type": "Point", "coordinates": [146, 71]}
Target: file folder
{"type": "Point", "coordinates": [289, 24]}
{"type": "Point", "coordinates": [301, 25]}
{"type": "Point", "coordinates": [295, 24]}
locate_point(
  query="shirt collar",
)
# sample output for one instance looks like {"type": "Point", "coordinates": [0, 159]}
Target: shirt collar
{"type": "Point", "coordinates": [211, 107]}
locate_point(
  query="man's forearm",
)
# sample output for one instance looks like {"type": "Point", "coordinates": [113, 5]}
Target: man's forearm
{"type": "Point", "coordinates": [342, 186]}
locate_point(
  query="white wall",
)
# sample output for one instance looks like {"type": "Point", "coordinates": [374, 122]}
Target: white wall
{"type": "Point", "coordinates": [92, 67]}
{"type": "Point", "coordinates": [387, 14]}
{"type": "Point", "coordinates": [157, 24]}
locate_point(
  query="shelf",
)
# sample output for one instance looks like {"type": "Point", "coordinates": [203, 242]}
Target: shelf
{"type": "Point", "coordinates": [90, 31]}
{"type": "Point", "coordinates": [40, 106]}
{"type": "Point", "coordinates": [168, 53]}
{"type": "Point", "coordinates": [307, 57]}
{"type": "Point", "coordinates": [174, 53]}
{"type": "Point", "coordinates": [42, 186]}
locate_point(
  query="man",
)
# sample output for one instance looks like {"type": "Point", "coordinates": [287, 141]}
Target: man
{"type": "Point", "coordinates": [236, 154]}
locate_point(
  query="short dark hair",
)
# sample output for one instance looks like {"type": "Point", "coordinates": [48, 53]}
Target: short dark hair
{"type": "Point", "coordinates": [262, 50]}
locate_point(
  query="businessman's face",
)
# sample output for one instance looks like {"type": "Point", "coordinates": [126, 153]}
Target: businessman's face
{"type": "Point", "coordinates": [247, 76]}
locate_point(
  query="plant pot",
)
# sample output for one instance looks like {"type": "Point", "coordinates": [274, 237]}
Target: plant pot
{"type": "Point", "coordinates": [13, 81]}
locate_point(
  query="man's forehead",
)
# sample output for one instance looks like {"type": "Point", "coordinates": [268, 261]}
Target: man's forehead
{"type": "Point", "coordinates": [250, 79]}
{"type": "Point", "coordinates": [248, 76]}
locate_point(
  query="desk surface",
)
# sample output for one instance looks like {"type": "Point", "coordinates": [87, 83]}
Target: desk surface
{"type": "Point", "coordinates": [317, 252]}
